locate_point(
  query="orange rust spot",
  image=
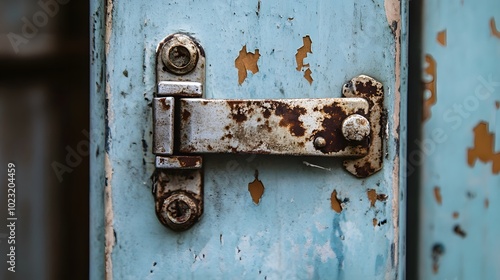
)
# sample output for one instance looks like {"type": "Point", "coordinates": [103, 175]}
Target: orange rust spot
{"type": "Point", "coordinates": [497, 104]}
{"type": "Point", "coordinates": [375, 222]}
{"type": "Point", "coordinates": [437, 195]}
{"type": "Point", "coordinates": [246, 61]}
{"type": "Point", "coordinates": [484, 148]}
{"type": "Point", "coordinates": [373, 197]}
{"type": "Point", "coordinates": [336, 206]}
{"type": "Point", "coordinates": [455, 215]}
{"type": "Point", "coordinates": [430, 86]}
{"type": "Point", "coordinates": [486, 203]}
{"type": "Point", "coordinates": [256, 188]}
{"type": "Point", "coordinates": [441, 38]}
{"type": "Point", "coordinates": [307, 75]}
{"type": "Point", "coordinates": [493, 27]}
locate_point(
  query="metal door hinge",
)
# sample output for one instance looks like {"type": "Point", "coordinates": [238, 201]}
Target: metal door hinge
{"type": "Point", "coordinates": [187, 126]}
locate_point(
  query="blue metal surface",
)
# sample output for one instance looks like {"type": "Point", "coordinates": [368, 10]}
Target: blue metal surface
{"type": "Point", "coordinates": [460, 198]}
{"type": "Point", "coordinates": [293, 232]}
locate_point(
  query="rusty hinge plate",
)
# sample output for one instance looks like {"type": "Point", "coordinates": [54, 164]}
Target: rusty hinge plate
{"type": "Point", "coordinates": [187, 126]}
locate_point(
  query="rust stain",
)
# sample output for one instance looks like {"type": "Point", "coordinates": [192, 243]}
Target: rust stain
{"type": "Point", "coordinates": [484, 143]}
{"type": "Point", "coordinates": [307, 75]}
{"type": "Point", "coordinates": [256, 188]}
{"type": "Point", "coordinates": [335, 202]}
{"type": "Point", "coordinates": [459, 231]}
{"type": "Point", "coordinates": [455, 215]}
{"type": "Point", "coordinates": [246, 61]}
{"type": "Point", "coordinates": [497, 104]}
{"type": "Point", "coordinates": [441, 38]}
{"type": "Point", "coordinates": [430, 86]}
{"type": "Point", "coordinates": [486, 203]}
{"type": "Point", "coordinates": [437, 195]}
{"type": "Point", "coordinates": [493, 27]}
{"type": "Point", "coordinates": [373, 197]}
{"type": "Point", "coordinates": [301, 55]}
{"type": "Point", "coordinates": [185, 115]}
{"type": "Point", "coordinates": [375, 222]}
{"type": "Point", "coordinates": [290, 118]}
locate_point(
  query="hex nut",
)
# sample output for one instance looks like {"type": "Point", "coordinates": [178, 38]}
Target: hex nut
{"type": "Point", "coordinates": [355, 128]}
{"type": "Point", "coordinates": [179, 54]}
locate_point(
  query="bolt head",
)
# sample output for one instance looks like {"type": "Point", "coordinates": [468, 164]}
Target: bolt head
{"type": "Point", "coordinates": [319, 142]}
{"type": "Point", "coordinates": [179, 211]}
{"type": "Point", "coordinates": [179, 54]}
{"type": "Point", "coordinates": [355, 128]}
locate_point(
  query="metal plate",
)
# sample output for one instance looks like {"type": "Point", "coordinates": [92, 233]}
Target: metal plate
{"type": "Point", "coordinates": [279, 126]}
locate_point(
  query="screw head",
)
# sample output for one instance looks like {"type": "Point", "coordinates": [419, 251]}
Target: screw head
{"type": "Point", "coordinates": [355, 128]}
{"type": "Point", "coordinates": [179, 210]}
{"type": "Point", "coordinates": [319, 142]}
{"type": "Point", "coordinates": [179, 54]}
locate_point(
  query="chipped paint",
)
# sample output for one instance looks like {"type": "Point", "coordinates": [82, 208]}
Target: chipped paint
{"type": "Point", "coordinates": [335, 202]}
{"type": "Point", "coordinates": [441, 38]}
{"type": "Point", "coordinates": [373, 197]}
{"type": "Point", "coordinates": [483, 149]}
{"type": "Point", "coordinates": [256, 188]}
{"type": "Point", "coordinates": [429, 86]}
{"type": "Point", "coordinates": [493, 28]}
{"type": "Point", "coordinates": [455, 215]}
{"type": "Point", "coordinates": [437, 253]}
{"type": "Point", "coordinates": [109, 232]}
{"type": "Point", "coordinates": [459, 231]}
{"type": "Point", "coordinates": [486, 203]}
{"type": "Point", "coordinates": [109, 25]}
{"type": "Point", "coordinates": [374, 221]}
{"type": "Point", "coordinates": [497, 104]}
{"type": "Point", "coordinates": [301, 55]}
{"type": "Point", "coordinates": [246, 61]}
{"type": "Point", "coordinates": [437, 195]}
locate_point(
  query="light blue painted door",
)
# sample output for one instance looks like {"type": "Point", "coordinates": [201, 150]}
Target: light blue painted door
{"type": "Point", "coordinates": [460, 149]}
{"type": "Point", "coordinates": [310, 223]}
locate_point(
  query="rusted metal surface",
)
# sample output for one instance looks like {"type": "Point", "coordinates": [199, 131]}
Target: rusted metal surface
{"type": "Point", "coordinates": [355, 128]}
{"type": "Point", "coordinates": [179, 162]}
{"type": "Point", "coordinates": [185, 89]}
{"type": "Point", "coordinates": [373, 91]}
{"type": "Point", "coordinates": [178, 197]}
{"type": "Point", "coordinates": [163, 128]}
{"type": "Point", "coordinates": [281, 126]}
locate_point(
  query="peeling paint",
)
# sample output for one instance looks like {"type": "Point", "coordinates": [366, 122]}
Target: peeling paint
{"type": "Point", "coordinates": [437, 195]}
{"type": "Point", "coordinates": [246, 61]}
{"type": "Point", "coordinates": [109, 232]}
{"type": "Point", "coordinates": [497, 104]}
{"type": "Point", "coordinates": [429, 86]}
{"type": "Point", "coordinates": [441, 38]}
{"type": "Point", "coordinates": [256, 188]}
{"type": "Point", "coordinates": [109, 25]}
{"type": "Point", "coordinates": [301, 55]}
{"type": "Point", "coordinates": [493, 27]}
{"type": "Point", "coordinates": [335, 202]}
{"type": "Point", "coordinates": [375, 222]}
{"type": "Point", "coordinates": [373, 197]}
{"type": "Point", "coordinates": [437, 253]}
{"type": "Point", "coordinates": [484, 143]}
{"type": "Point", "coordinates": [455, 215]}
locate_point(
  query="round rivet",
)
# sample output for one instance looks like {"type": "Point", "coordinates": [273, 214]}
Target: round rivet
{"type": "Point", "coordinates": [355, 128]}
{"type": "Point", "coordinates": [319, 142]}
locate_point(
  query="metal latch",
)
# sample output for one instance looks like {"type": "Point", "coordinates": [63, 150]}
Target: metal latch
{"type": "Point", "coordinates": [187, 126]}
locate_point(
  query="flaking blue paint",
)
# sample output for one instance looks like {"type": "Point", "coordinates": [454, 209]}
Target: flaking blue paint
{"type": "Point", "coordinates": [293, 232]}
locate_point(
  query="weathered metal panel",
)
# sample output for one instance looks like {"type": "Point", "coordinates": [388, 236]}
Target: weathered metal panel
{"type": "Point", "coordinates": [278, 126]}
{"type": "Point", "coordinates": [295, 220]}
{"type": "Point", "coordinates": [459, 154]}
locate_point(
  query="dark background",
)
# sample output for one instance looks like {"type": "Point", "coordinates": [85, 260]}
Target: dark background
{"type": "Point", "coordinates": [44, 117]}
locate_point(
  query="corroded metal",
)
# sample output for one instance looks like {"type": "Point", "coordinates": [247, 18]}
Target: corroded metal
{"type": "Point", "coordinates": [178, 179]}
{"type": "Point", "coordinates": [178, 197]}
{"type": "Point", "coordinates": [355, 128]}
{"type": "Point", "coordinates": [373, 91]}
{"type": "Point", "coordinates": [278, 127]}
